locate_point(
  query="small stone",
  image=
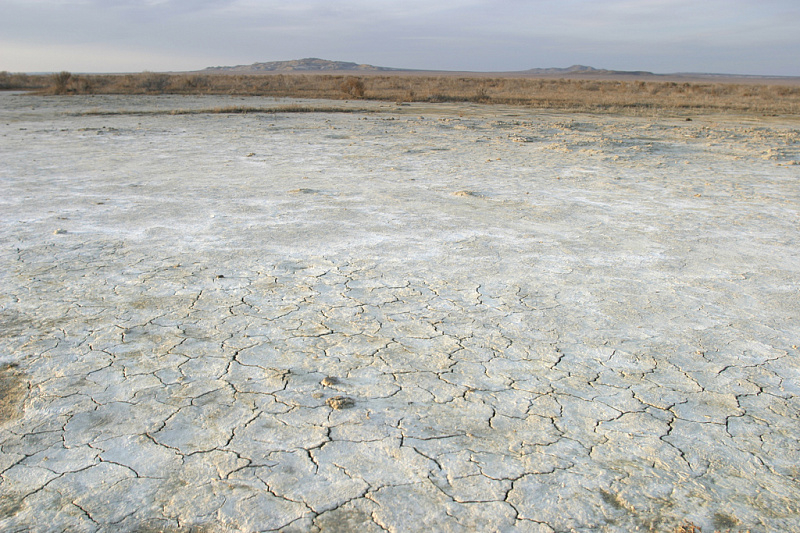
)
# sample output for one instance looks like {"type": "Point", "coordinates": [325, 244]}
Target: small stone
{"type": "Point", "coordinates": [59, 231]}
{"type": "Point", "coordinates": [340, 402]}
{"type": "Point", "coordinates": [329, 382]}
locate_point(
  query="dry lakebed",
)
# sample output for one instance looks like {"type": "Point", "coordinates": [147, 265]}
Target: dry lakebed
{"type": "Point", "coordinates": [361, 316]}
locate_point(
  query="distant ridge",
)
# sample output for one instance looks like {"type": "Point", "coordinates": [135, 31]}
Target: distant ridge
{"type": "Point", "coordinates": [309, 64]}
{"type": "Point", "coordinates": [582, 69]}
{"type": "Point", "coordinates": [315, 65]}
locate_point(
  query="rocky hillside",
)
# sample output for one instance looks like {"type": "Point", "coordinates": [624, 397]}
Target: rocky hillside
{"type": "Point", "coordinates": [582, 69]}
{"type": "Point", "coordinates": [309, 64]}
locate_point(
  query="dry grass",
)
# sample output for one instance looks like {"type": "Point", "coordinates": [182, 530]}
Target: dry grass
{"type": "Point", "coordinates": [633, 97]}
{"type": "Point", "coordinates": [16, 81]}
{"type": "Point", "coordinates": [688, 527]}
{"type": "Point", "coordinates": [60, 82]}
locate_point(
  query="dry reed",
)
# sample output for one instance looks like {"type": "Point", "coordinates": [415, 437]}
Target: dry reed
{"type": "Point", "coordinates": [636, 97]}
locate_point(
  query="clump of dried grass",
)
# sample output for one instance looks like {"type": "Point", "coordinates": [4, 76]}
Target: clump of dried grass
{"type": "Point", "coordinates": [688, 527]}
{"type": "Point", "coordinates": [353, 87]}
{"type": "Point", "coordinates": [60, 81]}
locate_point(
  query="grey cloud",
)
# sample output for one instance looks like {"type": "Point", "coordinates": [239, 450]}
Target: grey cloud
{"type": "Point", "coordinates": [456, 34]}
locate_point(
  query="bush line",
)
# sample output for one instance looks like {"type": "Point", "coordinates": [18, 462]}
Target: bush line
{"type": "Point", "coordinates": [561, 94]}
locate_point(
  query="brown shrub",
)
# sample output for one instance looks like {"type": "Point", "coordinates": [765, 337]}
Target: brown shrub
{"type": "Point", "coordinates": [60, 81]}
{"type": "Point", "coordinates": [195, 82]}
{"type": "Point", "coordinates": [153, 82]}
{"type": "Point", "coordinates": [353, 86]}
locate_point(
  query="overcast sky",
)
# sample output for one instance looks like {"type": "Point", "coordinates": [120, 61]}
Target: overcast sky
{"type": "Point", "coordinates": [664, 36]}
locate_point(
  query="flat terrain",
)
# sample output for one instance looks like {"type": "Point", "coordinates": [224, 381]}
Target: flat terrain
{"type": "Point", "coordinates": [427, 317]}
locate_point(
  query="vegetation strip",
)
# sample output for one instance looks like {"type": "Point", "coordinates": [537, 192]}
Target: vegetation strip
{"type": "Point", "coordinates": [241, 110]}
{"type": "Point", "coordinates": [604, 96]}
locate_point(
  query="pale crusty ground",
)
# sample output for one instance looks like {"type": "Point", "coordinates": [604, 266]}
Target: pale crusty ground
{"type": "Point", "coordinates": [427, 318]}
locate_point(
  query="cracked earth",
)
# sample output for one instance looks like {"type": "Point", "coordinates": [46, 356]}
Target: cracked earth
{"type": "Point", "coordinates": [404, 318]}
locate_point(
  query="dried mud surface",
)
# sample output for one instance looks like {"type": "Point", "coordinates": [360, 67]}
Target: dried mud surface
{"type": "Point", "coordinates": [451, 318]}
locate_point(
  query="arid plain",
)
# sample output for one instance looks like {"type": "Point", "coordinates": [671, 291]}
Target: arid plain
{"type": "Point", "coordinates": [384, 317]}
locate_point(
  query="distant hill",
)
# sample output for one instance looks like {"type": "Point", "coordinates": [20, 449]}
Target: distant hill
{"type": "Point", "coordinates": [309, 64]}
{"type": "Point", "coordinates": [315, 65]}
{"type": "Point", "coordinates": [582, 69]}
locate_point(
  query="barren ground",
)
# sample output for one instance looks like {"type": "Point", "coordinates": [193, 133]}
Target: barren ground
{"type": "Point", "coordinates": [418, 318]}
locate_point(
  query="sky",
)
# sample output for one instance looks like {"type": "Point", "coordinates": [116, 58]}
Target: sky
{"type": "Point", "coordinates": [760, 37]}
